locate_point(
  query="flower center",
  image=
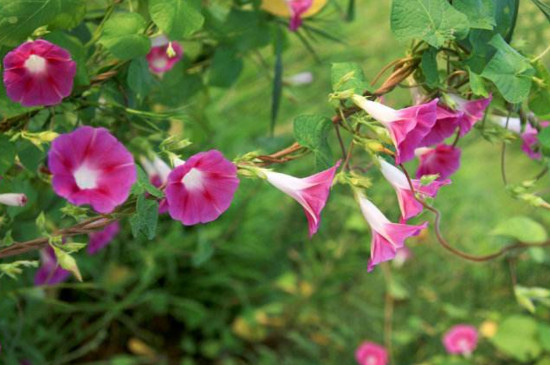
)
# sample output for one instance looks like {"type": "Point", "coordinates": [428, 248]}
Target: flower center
{"type": "Point", "coordinates": [193, 180]}
{"type": "Point", "coordinates": [85, 177]}
{"type": "Point", "coordinates": [35, 64]}
{"type": "Point", "coordinates": [160, 63]}
{"type": "Point", "coordinates": [371, 360]}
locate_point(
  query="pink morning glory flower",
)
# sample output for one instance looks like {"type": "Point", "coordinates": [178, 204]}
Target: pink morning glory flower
{"type": "Point", "coordinates": [445, 125]}
{"type": "Point", "coordinates": [311, 192]}
{"type": "Point", "coordinates": [50, 273]}
{"type": "Point", "coordinates": [443, 160]}
{"type": "Point", "coordinates": [370, 353]}
{"type": "Point", "coordinates": [409, 206]}
{"type": "Point", "coordinates": [90, 166]}
{"type": "Point", "coordinates": [158, 172]}
{"type": "Point", "coordinates": [162, 59]}
{"type": "Point", "coordinates": [100, 239]}
{"type": "Point", "coordinates": [461, 339]}
{"type": "Point", "coordinates": [201, 189]}
{"type": "Point", "coordinates": [473, 111]}
{"type": "Point", "coordinates": [297, 9]}
{"type": "Point", "coordinates": [529, 136]}
{"type": "Point", "coordinates": [387, 237]}
{"type": "Point", "coordinates": [38, 73]}
{"type": "Point", "coordinates": [13, 199]}
{"type": "Point", "coordinates": [407, 127]}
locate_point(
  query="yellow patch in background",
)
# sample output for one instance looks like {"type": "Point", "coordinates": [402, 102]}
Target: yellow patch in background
{"type": "Point", "coordinates": [280, 8]}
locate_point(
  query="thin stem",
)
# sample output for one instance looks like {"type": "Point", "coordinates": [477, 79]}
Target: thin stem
{"type": "Point", "coordinates": [340, 141]}
{"type": "Point", "coordinates": [541, 55]}
{"type": "Point", "coordinates": [503, 154]}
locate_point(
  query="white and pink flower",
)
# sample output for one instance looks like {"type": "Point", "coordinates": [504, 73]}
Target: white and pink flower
{"type": "Point", "coordinates": [311, 192]}
{"type": "Point", "coordinates": [158, 172]}
{"type": "Point", "coordinates": [13, 199]}
{"type": "Point", "coordinates": [387, 237]}
{"type": "Point", "coordinates": [90, 166]}
{"type": "Point", "coordinates": [409, 206]}
{"type": "Point", "coordinates": [461, 339]}
{"type": "Point", "coordinates": [201, 189]}
{"type": "Point", "coordinates": [370, 353]}
{"type": "Point", "coordinates": [472, 111]}
{"type": "Point", "coordinates": [407, 127]}
{"type": "Point", "coordinates": [445, 125]}
{"type": "Point", "coordinates": [163, 55]}
{"type": "Point", "coordinates": [529, 137]}
{"type": "Point", "coordinates": [443, 160]}
{"type": "Point", "coordinates": [38, 73]}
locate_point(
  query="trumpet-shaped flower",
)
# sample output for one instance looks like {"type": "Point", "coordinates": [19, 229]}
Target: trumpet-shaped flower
{"type": "Point", "coordinates": [409, 206]}
{"type": "Point", "coordinates": [38, 73]}
{"type": "Point", "coordinates": [163, 54]}
{"type": "Point", "coordinates": [100, 239]}
{"type": "Point", "coordinates": [370, 353]}
{"type": "Point", "coordinates": [90, 166]}
{"type": "Point", "coordinates": [50, 273]}
{"type": "Point", "coordinates": [387, 237]}
{"type": "Point", "coordinates": [201, 189]}
{"type": "Point", "coordinates": [158, 172]}
{"type": "Point", "coordinates": [472, 111]}
{"type": "Point", "coordinates": [311, 192]}
{"type": "Point", "coordinates": [407, 127]}
{"type": "Point", "coordinates": [13, 199]}
{"type": "Point", "coordinates": [445, 125]}
{"type": "Point", "coordinates": [443, 160]}
{"type": "Point", "coordinates": [529, 137]}
{"type": "Point", "coordinates": [461, 339]}
{"type": "Point", "coordinates": [297, 9]}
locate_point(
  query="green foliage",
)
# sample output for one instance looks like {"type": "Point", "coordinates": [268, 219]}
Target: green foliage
{"type": "Point", "coordinates": [311, 131]}
{"type": "Point", "coordinates": [429, 67]}
{"type": "Point", "coordinates": [124, 36]}
{"type": "Point", "coordinates": [517, 337]}
{"type": "Point", "coordinates": [523, 229]}
{"type": "Point", "coordinates": [348, 78]}
{"type": "Point", "coordinates": [226, 67]}
{"type": "Point", "coordinates": [146, 218]}
{"type": "Point", "coordinates": [480, 13]}
{"type": "Point", "coordinates": [539, 98]}
{"type": "Point", "coordinates": [434, 21]}
{"type": "Point", "coordinates": [176, 18]}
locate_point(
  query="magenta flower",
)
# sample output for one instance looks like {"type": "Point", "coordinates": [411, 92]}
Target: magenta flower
{"type": "Point", "coordinates": [50, 273]}
{"type": "Point", "coordinates": [38, 73]}
{"type": "Point", "coordinates": [100, 239]}
{"type": "Point", "coordinates": [158, 172]}
{"type": "Point", "coordinates": [473, 111]}
{"type": "Point", "coordinates": [461, 339]}
{"type": "Point", "coordinates": [90, 166]}
{"type": "Point", "coordinates": [201, 189]}
{"type": "Point", "coordinates": [445, 125]}
{"type": "Point", "coordinates": [311, 192]}
{"type": "Point", "coordinates": [387, 237]}
{"type": "Point", "coordinates": [443, 160]}
{"type": "Point", "coordinates": [297, 9]}
{"type": "Point", "coordinates": [407, 127]}
{"type": "Point", "coordinates": [162, 59]}
{"type": "Point", "coordinates": [13, 199]}
{"type": "Point", "coordinates": [370, 353]}
{"type": "Point", "coordinates": [409, 206]}
{"type": "Point", "coordinates": [529, 137]}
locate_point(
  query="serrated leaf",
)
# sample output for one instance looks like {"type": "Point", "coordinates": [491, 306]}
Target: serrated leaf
{"type": "Point", "coordinates": [123, 35]}
{"type": "Point", "coordinates": [177, 18]}
{"type": "Point", "coordinates": [146, 218]}
{"type": "Point", "coordinates": [434, 21]}
{"type": "Point", "coordinates": [509, 71]}
{"type": "Point", "coordinates": [480, 13]}
{"type": "Point", "coordinates": [523, 229]}
{"type": "Point", "coordinates": [311, 131]}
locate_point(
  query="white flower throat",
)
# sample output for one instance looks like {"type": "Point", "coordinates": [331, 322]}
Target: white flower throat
{"type": "Point", "coordinates": [35, 64]}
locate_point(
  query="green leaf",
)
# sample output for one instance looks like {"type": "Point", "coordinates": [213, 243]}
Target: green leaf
{"type": "Point", "coordinates": [7, 151]}
{"type": "Point", "coordinates": [477, 84]}
{"type": "Point", "coordinates": [72, 13]}
{"type": "Point", "coordinates": [143, 185]}
{"type": "Point", "coordinates": [176, 18]}
{"type": "Point", "coordinates": [277, 79]}
{"type": "Point", "coordinates": [527, 297]}
{"type": "Point", "coordinates": [480, 13]}
{"type": "Point", "coordinates": [509, 71]}
{"type": "Point", "coordinates": [348, 77]}
{"type": "Point", "coordinates": [123, 35]}
{"type": "Point", "coordinates": [429, 67]}
{"type": "Point", "coordinates": [539, 98]}
{"type": "Point", "coordinates": [16, 268]}
{"type": "Point", "coordinates": [517, 337]}
{"type": "Point", "coordinates": [523, 229]}
{"type": "Point", "coordinates": [544, 7]}
{"type": "Point", "coordinates": [544, 336]}
{"type": "Point", "coordinates": [311, 131]}
{"type": "Point", "coordinates": [146, 218]}
{"type": "Point", "coordinates": [434, 21]}
{"type": "Point", "coordinates": [226, 67]}
{"type": "Point", "coordinates": [140, 79]}
{"type": "Point", "coordinates": [544, 140]}
{"type": "Point", "coordinates": [30, 156]}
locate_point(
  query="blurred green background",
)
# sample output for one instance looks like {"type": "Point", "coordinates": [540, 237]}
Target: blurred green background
{"type": "Point", "coordinates": [251, 288]}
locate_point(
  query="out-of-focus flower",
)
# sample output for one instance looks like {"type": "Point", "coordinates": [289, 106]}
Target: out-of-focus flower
{"type": "Point", "coordinates": [50, 273]}
{"type": "Point", "coordinates": [370, 353]}
{"type": "Point", "coordinates": [443, 160]}
{"type": "Point", "coordinates": [461, 339]}
{"type": "Point", "coordinates": [311, 192]}
{"type": "Point", "coordinates": [387, 237]}
{"type": "Point", "coordinates": [402, 255]}
{"type": "Point", "coordinates": [158, 172]}
{"type": "Point", "coordinates": [90, 166]}
{"type": "Point", "coordinates": [488, 329]}
{"type": "Point", "coordinates": [407, 127]}
{"type": "Point", "coordinates": [38, 73]}
{"type": "Point", "coordinates": [445, 125]}
{"type": "Point", "coordinates": [409, 206]}
{"type": "Point", "coordinates": [100, 239]}
{"type": "Point", "coordinates": [163, 54]}
{"type": "Point", "coordinates": [529, 137]}
{"type": "Point", "coordinates": [13, 199]}
{"type": "Point", "coordinates": [472, 111]}
{"type": "Point", "coordinates": [297, 9]}
{"type": "Point", "coordinates": [201, 189]}
{"type": "Point", "coordinates": [302, 78]}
